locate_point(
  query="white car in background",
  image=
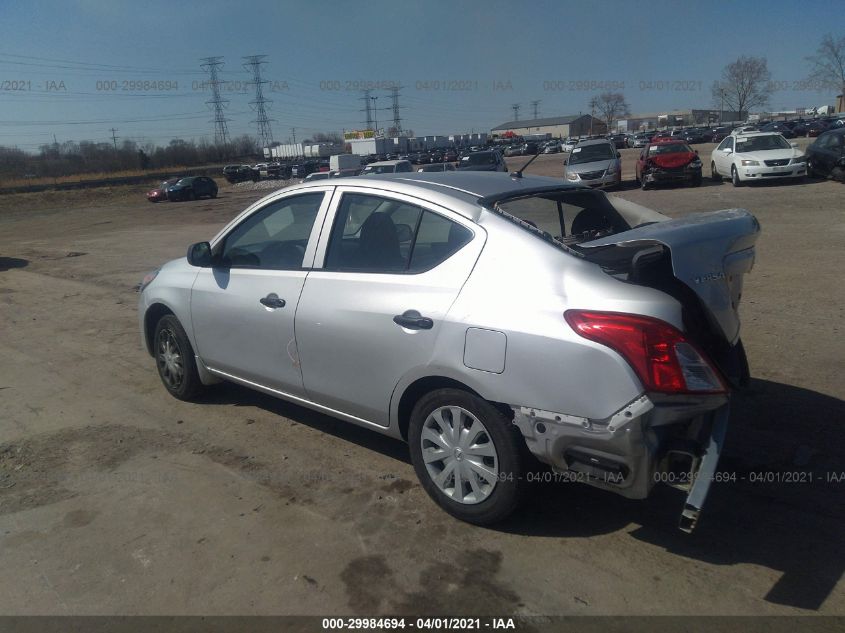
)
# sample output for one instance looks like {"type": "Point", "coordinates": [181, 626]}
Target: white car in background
{"type": "Point", "coordinates": [756, 156]}
{"type": "Point", "coordinates": [568, 145]}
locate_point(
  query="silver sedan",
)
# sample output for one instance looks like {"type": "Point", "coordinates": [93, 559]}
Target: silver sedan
{"type": "Point", "coordinates": [474, 315]}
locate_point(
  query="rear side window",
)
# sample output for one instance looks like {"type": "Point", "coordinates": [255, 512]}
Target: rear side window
{"type": "Point", "coordinates": [381, 235]}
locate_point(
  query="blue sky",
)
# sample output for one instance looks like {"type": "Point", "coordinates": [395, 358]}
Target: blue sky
{"type": "Point", "coordinates": [461, 63]}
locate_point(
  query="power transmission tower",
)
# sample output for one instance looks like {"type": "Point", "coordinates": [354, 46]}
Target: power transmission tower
{"type": "Point", "coordinates": [397, 120]}
{"type": "Point", "coordinates": [515, 107]}
{"type": "Point", "coordinates": [113, 137]}
{"type": "Point", "coordinates": [293, 133]}
{"type": "Point", "coordinates": [265, 134]}
{"type": "Point", "coordinates": [534, 105]}
{"type": "Point", "coordinates": [221, 133]}
{"type": "Point", "coordinates": [368, 109]}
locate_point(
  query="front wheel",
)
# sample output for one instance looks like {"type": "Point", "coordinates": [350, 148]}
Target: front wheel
{"type": "Point", "coordinates": [714, 175]}
{"type": "Point", "coordinates": [175, 360]}
{"type": "Point", "coordinates": [735, 181]}
{"type": "Point", "coordinates": [467, 456]}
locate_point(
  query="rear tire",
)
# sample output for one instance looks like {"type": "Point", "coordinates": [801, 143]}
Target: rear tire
{"type": "Point", "coordinates": [735, 181]}
{"type": "Point", "coordinates": [714, 175]}
{"type": "Point", "coordinates": [480, 477]}
{"type": "Point", "coordinates": [175, 360]}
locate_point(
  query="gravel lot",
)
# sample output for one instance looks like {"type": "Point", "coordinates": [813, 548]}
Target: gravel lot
{"type": "Point", "coordinates": [117, 499]}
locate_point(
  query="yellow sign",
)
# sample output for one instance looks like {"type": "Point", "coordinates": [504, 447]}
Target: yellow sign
{"type": "Point", "coordinates": [352, 135]}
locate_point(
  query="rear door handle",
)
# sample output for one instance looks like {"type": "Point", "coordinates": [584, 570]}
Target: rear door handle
{"type": "Point", "coordinates": [272, 301]}
{"type": "Point", "coordinates": [413, 320]}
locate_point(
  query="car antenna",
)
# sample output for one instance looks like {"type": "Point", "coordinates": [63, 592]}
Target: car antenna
{"type": "Point", "coordinates": [518, 173]}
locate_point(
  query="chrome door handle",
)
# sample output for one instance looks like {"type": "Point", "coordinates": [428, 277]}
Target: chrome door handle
{"type": "Point", "coordinates": [272, 301]}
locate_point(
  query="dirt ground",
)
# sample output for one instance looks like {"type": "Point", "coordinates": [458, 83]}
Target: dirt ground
{"type": "Point", "coordinates": [117, 499]}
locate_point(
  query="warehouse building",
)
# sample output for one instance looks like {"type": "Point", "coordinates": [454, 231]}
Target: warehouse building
{"type": "Point", "coordinates": [557, 127]}
{"type": "Point", "coordinates": [673, 118]}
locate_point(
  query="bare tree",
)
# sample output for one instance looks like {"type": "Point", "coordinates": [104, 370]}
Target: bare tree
{"type": "Point", "coordinates": [745, 84]}
{"type": "Point", "coordinates": [827, 66]}
{"type": "Point", "coordinates": [611, 106]}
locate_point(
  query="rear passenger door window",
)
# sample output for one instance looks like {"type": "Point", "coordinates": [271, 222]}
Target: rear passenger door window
{"type": "Point", "coordinates": [383, 235]}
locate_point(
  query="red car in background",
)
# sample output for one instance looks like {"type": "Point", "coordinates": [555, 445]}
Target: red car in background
{"type": "Point", "coordinates": [160, 193]}
{"type": "Point", "coordinates": [668, 160]}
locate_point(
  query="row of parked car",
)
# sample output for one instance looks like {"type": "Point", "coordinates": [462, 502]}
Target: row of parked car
{"type": "Point", "coordinates": [746, 155]}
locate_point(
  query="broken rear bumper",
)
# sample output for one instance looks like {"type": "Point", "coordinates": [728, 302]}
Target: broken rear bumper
{"type": "Point", "coordinates": [673, 440]}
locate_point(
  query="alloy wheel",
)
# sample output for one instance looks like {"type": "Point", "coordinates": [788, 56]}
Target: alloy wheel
{"type": "Point", "coordinates": [169, 359]}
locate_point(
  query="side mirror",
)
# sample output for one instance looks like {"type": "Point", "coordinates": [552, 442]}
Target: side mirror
{"type": "Point", "coordinates": [794, 144]}
{"type": "Point", "coordinates": [696, 152]}
{"type": "Point", "coordinates": [566, 161]}
{"type": "Point", "coordinates": [199, 255]}
{"type": "Point", "coordinates": [728, 150]}
{"type": "Point", "coordinates": [618, 155]}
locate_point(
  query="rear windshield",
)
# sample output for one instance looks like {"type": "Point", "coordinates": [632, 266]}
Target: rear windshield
{"type": "Point", "coordinates": [591, 153]}
{"type": "Point", "coordinates": [479, 158]}
{"type": "Point", "coordinates": [566, 218]}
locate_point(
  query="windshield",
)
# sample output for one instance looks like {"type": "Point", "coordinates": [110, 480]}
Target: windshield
{"type": "Point", "coordinates": [761, 143]}
{"type": "Point", "coordinates": [591, 153]}
{"type": "Point", "coordinates": [479, 158]}
{"type": "Point", "coordinates": [379, 169]}
{"type": "Point", "coordinates": [669, 148]}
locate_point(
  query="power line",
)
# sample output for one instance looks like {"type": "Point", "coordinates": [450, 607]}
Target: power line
{"type": "Point", "coordinates": [265, 133]}
{"type": "Point", "coordinates": [221, 133]}
{"type": "Point", "coordinates": [397, 120]}
{"type": "Point", "coordinates": [369, 113]}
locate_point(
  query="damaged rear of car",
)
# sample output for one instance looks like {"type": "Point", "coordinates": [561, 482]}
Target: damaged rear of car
{"type": "Point", "coordinates": [662, 298]}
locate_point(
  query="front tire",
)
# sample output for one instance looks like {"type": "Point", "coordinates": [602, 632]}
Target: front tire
{"type": "Point", "coordinates": [467, 455]}
{"type": "Point", "coordinates": [735, 181]}
{"type": "Point", "coordinates": [714, 175]}
{"type": "Point", "coordinates": [175, 360]}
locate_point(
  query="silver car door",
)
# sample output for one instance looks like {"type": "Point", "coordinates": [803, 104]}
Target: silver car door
{"type": "Point", "coordinates": [392, 266]}
{"type": "Point", "coordinates": [242, 309]}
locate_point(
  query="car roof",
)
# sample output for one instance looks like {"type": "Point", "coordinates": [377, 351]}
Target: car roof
{"type": "Point", "coordinates": [461, 191]}
{"type": "Point", "coordinates": [753, 134]}
{"type": "Point", "coordinates": [668, 140]}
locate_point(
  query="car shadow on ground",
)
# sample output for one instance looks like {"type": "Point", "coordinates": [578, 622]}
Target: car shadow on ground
{"type": "Point", "coordinates": [7, 263]}
{"type": "Point", "coordinates": [780, 506]}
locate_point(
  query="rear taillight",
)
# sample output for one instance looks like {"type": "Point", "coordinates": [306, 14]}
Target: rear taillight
{"type": "Point", "coordinates": [662, 357]}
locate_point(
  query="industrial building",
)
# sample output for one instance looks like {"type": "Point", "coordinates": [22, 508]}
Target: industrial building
{"type": "Point", "coordinates": [557, 127]}
{"type": "Point", "coordinates": [673, 118]}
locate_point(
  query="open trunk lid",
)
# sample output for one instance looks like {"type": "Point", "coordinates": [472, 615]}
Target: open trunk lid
{"type": "Point", "coordinates": [709, 253]}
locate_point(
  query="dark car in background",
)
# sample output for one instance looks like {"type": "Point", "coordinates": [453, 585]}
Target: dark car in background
{"type": "Point", "coordinates": [668, 161]}
{"type": "Point", "coordinates": [301, 170]}
{"type": "Point", "coordinates": [159, 194]}
{"type": "Point", "coordinates": [620, 141]}
{"type": "Point", "coordinates": [718, 134]}
{"type": "Point", "coordinates": [450, 156]}
{"type": "Point", "coordinates": [694, 135]}
{"type": "Point", "coordinates": [826, 155]}
{"type": "Point", "coordinates": [192, 188]}
{"type": "Point", "coordinates": [240, 173]}
{"type": "Point", "coordinates": [482, 161]}
{"type": "Point", "coordinates": [529, 149]}
{"type": "Point", "coordinates": [780, 127]}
